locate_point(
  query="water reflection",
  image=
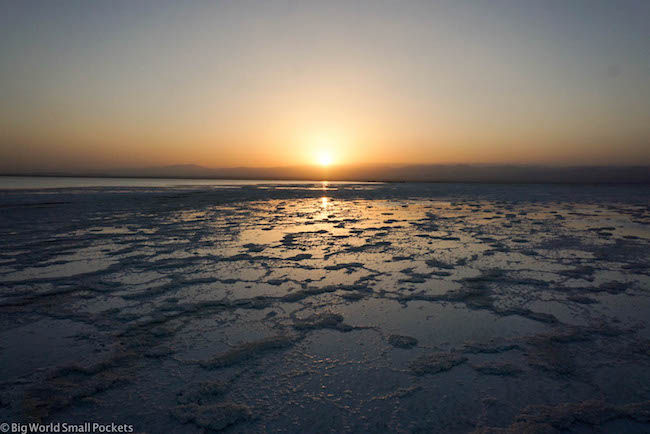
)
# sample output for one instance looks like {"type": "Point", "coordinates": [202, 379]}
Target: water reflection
{"type": "Point", "coordinates": [275, 285]}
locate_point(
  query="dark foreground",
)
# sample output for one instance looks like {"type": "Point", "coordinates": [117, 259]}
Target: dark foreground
{"type": "Point", "coordinates": [327, 308]}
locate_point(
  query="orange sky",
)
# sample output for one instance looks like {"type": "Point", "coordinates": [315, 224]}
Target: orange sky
{"type": "Point", "coordinates": [282, 83]}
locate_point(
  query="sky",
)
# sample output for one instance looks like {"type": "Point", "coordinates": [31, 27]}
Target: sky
{"type": "Point", "coordinates": [104, 84]}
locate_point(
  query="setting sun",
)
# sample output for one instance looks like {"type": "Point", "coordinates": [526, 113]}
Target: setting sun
{"type": "Point", "coordinates": [325, 147]}
{"type": "Point", "coordinates": [324, 158]}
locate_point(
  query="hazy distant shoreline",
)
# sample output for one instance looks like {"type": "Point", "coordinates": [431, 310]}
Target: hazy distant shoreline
{"type": "Point", "coordinates": [464, 173]}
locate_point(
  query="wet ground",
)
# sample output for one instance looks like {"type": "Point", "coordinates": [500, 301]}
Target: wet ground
{"type": "Point", "coordinates": [327, 308]}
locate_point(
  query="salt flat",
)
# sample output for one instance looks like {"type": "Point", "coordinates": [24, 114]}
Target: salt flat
{"type": "Point", "coordinates": [327, 307]}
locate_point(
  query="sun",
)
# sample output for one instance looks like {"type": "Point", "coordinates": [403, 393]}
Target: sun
{"type": "Point", "coordinates": [324, 158]}
{"type": "Point", "coordinates": [324, 149]}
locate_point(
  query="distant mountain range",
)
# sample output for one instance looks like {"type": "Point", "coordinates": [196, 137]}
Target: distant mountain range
{"type": "Point", "coordinates": [483, 173]}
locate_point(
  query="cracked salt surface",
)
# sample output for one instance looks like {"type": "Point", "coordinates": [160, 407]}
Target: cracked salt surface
{"type": "Point", "coordinates": [327, 308]}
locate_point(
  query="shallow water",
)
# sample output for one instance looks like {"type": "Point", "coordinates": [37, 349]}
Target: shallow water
{"type": "Point", "coordinates": [50, 182]}
{"type": "Point", "coordinates": [312, 307]}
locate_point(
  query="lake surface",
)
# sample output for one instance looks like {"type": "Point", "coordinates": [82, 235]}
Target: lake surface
{"type": "Point", "coordinates": [325, 307]}
{"type": "Point", "coordinates": [45, 182]}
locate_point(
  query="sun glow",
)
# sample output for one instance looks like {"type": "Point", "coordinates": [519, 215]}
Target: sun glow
{"type": "Point", "coordinates": [324, 148]}
{"type": "Point", "coordinates": [324, 158]}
